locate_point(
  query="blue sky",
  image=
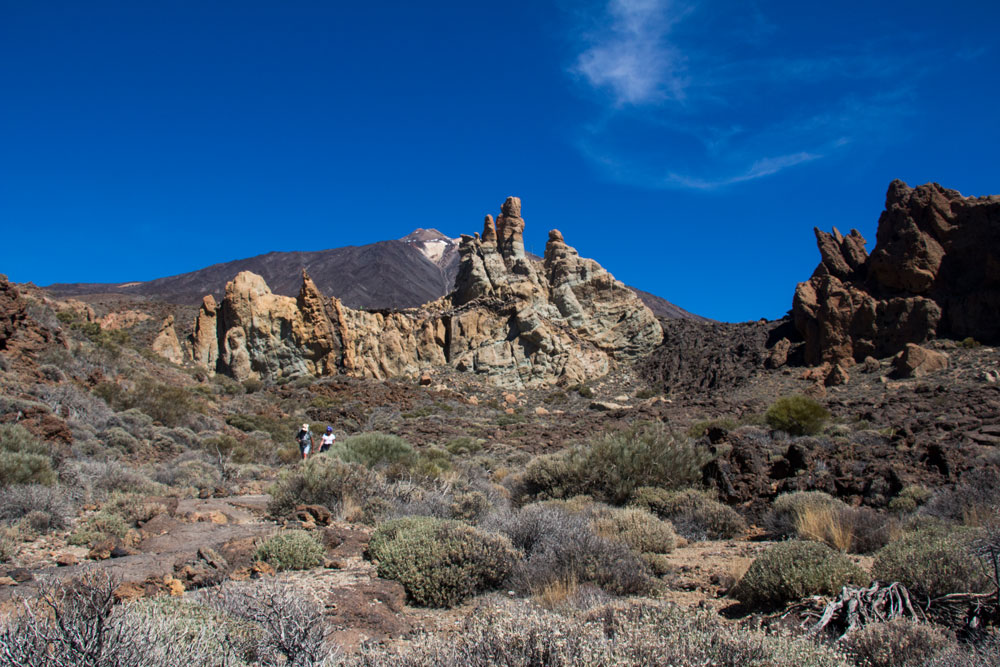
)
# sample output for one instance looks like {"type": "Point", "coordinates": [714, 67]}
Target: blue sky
{"type": "Point", "coordinates": [690, 147]}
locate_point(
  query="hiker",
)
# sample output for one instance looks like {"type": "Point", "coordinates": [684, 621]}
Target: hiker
{"type": "Point", "coordinates": [304, 438]}
{"type": "Point", "coordinates": [327, 440]}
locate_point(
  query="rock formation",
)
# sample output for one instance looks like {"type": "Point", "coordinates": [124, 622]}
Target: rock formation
{"type": "Point", "coordinates": [510, 319]}
{"type": "Point", "coordinates": [166, 344]}
{"type": "Point", "coordinates": [935, 271]}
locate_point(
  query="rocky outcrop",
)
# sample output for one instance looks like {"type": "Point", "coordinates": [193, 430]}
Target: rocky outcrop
{"type": "Point", "coordinates": [509, 319]}
{"type": "Point", "coordinates": [934, 271]}
{"type": "Point", "coordinates": [21, 337]}
{"type": "Point", "coordinates": [166, 344]}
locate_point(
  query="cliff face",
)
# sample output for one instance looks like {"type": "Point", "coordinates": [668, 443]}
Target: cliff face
{"type": "Point", "coordinates": [934, 271]}
{"type": "Point", "coordinates": [508, 320]}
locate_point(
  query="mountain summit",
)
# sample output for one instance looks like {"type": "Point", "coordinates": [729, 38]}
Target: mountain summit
{"type": "Point", "coordinates": [401, 273]}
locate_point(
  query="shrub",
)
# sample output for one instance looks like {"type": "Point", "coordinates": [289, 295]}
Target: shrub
{"type": "Point", "coordinates": [974, 499]}
{"type": "Point", "coordinates": [898, 643]}
{"type": "Point", "coordinates": [910, 498]}
{"type": "Point", "coordinates": [97, 527]}
{"type": "Point", "coordinates": [695, 514]}
{"type": "Point", "coordinates": [933, 562]}
{"type": "Point", "coordinates": [322, 481]}
{"type": "Point", "coordinates": [637, 528]}
{"type": "Point", "coordinates": [19, 501]}
{"type": "Point", "coordinates": [8, 546]}
{"type": "Point", "coordinates": [783, 518]}
{"type": "Point", "coordinates": [463, 445]}
{"type": "Point", "coordinates": [19, 468]}
{"type": "Point", "coordinates": [613, 465]}
{"type": "Point", "coordinates": [291, 550]}
{"type": "Point", "coordinates": [373, 449]}
{"type": "Point", "coordinates": [796, 415]}
{"type": "Point", "coordinates": [470, 506]}
{"type": "Point", "coordinates": [440, 562]}
{"type": "Point", "coordinates": [515, 634]}
{"type": "Point", "coordinates": [790, 571]}
{"type": "Point", "coordinates": [17, 439]}
{"type": "Point", "coordinates": [24, 459]}
{"type": "Point", "coordinates": [169, 405]}
{"type": "Point", "coordinates": [561, 548]}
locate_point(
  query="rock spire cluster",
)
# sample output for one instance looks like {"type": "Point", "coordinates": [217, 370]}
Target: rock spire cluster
{"type": "Point", "coordinates": [934, 271]}
{"type": "Point", "coordinates": [511, 319]}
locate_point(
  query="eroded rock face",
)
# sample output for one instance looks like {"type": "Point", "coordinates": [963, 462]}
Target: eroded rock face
{"type": "Point", "coordinates": [510, 320]}
{"type": "Point", "coordinates": [166, 344]}
{"type": "Point", "coordinates": [935, 271]}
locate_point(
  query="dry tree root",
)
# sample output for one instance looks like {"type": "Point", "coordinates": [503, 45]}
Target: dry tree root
{"type": "Point", "coordinates": [856, 607]}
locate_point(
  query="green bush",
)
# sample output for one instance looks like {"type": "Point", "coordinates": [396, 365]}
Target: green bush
{"type": "Point", "coordinates": [694, 514]}
{"type": "Point", "coordinates": [639, 529]}
{"type": "Point", "coordinates": [440, 562]}
{"type": "Point", "coordinates": [291, 550]}
{"type": "Point", "coordinates": [898, 643]}
{"type": "Point", "coordinates": [790, 571]}
{"type": "Point", "coordinates": [169, 405]}
{"type": "Point", "coordinates": [797, 415]}
{"type": "Point", "coordinates": [322, 481]}
{"type": "Point", "coordinates": [373, 449]}
{"type": "Point", "coordinates": [97, 527]}
{"type": "Point", "coordinates": [19, 468]}
{"type": "Point", "coordinates": [464, 444]}
{"type": "Point", "coordinates": [613, 465]}
{"type": "Point", "coordinates": [933, 562]}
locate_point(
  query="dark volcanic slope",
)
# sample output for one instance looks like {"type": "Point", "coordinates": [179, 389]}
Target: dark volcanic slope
{"type": "Point", "coordinates": [387, 274]}
{"type": "Point", "coordinates": [402, 273]}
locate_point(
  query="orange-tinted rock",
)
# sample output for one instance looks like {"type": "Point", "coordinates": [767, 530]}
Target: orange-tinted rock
{"type": "Point", "coordinates": [935, 271]}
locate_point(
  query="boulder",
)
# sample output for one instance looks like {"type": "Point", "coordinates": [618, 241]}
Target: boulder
{"type": "Point", "coordinates": [915, 361]}
{"type": "Point", "coordinates": [166, 344]}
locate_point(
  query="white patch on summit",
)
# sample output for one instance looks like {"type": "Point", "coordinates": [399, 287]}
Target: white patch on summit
{"type": "Point", "coordinates": [431, 243]}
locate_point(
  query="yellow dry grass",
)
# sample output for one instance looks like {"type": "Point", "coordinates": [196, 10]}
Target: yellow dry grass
{"type": "Point", "coordinates": [556, 593]}
{"type": "Point", "coordinates": [824, 524]}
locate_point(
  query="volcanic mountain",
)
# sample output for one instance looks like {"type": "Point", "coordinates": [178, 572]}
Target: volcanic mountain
{"type": "Point", "coordinates": [399, 273]}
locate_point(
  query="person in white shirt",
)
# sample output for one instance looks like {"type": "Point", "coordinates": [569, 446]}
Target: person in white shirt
{"type": "Point", "coordinates": [327, 440]}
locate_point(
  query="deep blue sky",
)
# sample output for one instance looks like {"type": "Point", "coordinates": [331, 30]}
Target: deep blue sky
{"type": "Point", "coordinates": [689, 147]}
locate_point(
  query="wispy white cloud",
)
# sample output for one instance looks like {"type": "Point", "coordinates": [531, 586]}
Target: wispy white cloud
{"type": "Point", "coordinates": [760, 168]}
{"type": "Point", "coordinates": [694, 103]}
{"type": "Point", "coordinates": [632, 57]}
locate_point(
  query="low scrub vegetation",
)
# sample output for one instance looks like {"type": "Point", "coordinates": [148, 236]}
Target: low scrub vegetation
{"type": "Point", "coordinates": [789, 571]}
{"type": "Point", "coordinates": [694, 514]}
{"type": "Point", "coordinates": [291, 550]}
{"type": "Point", "coordinates": [933, 561]}
{"type": "Point", "coordinates": [440, 562]}
{"type": "Point", "coordinates": [797, 415]}
{"type": "Point", "coordinates": [612, 466]}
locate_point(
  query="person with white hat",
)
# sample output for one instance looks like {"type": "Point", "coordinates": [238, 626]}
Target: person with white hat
{"type": "Point", "coordinates": [304, 438]}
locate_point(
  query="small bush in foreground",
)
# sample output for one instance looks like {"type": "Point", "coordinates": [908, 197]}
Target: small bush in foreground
{"type": "Point", "coordinates": [898, 643]}
{"type": "Point", "coordinates": [790, 571]}
{"type": "Point", "coordinates": [796, 415]}
{"type": "Point", "coordinates": [561, 548]}
{"type": "Point", "coordinates": [291, 550]}
{"type": "Point", "coordinates": [440, 562]}
{"type": "Point", "coordinates": [694, 514]}
{"type": "Point", "coordinates": [933, 562]}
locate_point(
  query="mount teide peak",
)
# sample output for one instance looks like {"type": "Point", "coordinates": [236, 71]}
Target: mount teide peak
{"type": "Point", "coordinates": [399, 273]}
